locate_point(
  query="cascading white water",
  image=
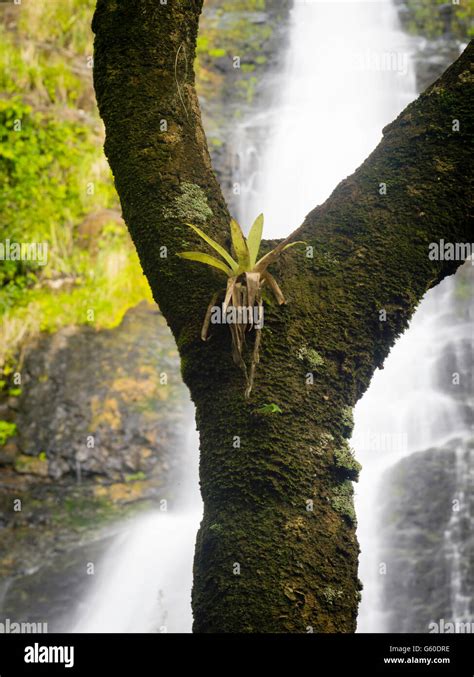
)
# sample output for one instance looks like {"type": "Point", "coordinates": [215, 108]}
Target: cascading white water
{"type": "Point", "coordinates": [347, 74]}
{"type": "Point", "coordinates": [453, 536]}
{"type": "Point", "coordinates": [143, 583]}
{"type": "Point", "coordinates": [407, 409]}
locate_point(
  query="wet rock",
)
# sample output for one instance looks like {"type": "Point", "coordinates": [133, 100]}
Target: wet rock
{"type": "Point", "coordinates": [102, 403]}
{"type": "Point", "coordinates": [422, 536]}
{"type": "Point", "coordinates": [9, 452]}
{"type": "Point", "coordinates": [30, 465]}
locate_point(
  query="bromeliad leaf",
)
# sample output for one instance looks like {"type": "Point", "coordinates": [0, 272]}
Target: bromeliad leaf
{"type": "Point", "coordinates": [206, 258]}
{"type": "Point", "coordinates": [240, 246]}
{"type": "Point", "coordinates": [254, 239]}
{"type": "Point", "coordinates": [272, 255]}
{"type": "Point", "coordinates": [216, 246]}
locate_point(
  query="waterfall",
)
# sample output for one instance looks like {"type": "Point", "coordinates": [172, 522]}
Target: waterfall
{"type": "Point", "coordinates": [143, 583]}
{"type": "Point", "coordinates": [347, 73]}
{"type": "Point", "coordinates": [455, 541]}
{"type": "Point", "coordinates": [411, 406]}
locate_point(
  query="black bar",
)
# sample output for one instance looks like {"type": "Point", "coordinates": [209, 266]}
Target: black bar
{"type": "Point", "coordinates": [148, 654]}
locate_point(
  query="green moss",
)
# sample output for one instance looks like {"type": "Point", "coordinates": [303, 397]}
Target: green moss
{"type": "Point", "coordinates": [342, 500]}
{"type": "Point", "coordinates": [345, 461]}
{"type": "Point", "coordinates": [347, 420]}
{"type": "Point", "coordinates": [190, 206]}
{"type": "Point", "coordinates": [310, 357]}
{"type": "Point", "coordinates": [331, 595]}
{"type": "Point", "coordinates": [31, 465]}
{"type": "Point", "coordinates": [83, 511]}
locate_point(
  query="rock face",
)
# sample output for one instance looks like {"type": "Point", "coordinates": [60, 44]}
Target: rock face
{"type": "Point", "coordinates": [425, 522]}
{"type": "Point", "coordinates": [104, 403]}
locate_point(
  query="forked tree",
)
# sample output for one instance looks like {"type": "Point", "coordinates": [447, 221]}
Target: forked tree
{"type": "Point", "coordinates": [277, 548]}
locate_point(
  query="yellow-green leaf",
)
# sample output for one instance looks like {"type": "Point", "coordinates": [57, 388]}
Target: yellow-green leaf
{"type": "Point", "coordinates": [240, 245]}
{"type": "Point", "coordinates": [254, 239]}
{"type": "Point", "coordinates": [207, 259]}
{"type": "Point", "coordinates": [292, 244]}
{"type": "Point", "coordinates": [272, 256]}
{"type": "Point", "coordinates": [215, 245]}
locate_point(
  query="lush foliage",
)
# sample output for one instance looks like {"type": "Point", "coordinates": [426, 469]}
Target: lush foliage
{"type": "Point", "coordinates": [53, 175]}
{"type": "Point", "coordinates": [432, 18]}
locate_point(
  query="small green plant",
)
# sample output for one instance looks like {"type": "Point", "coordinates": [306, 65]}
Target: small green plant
{"type": "Point", "coordinates": [135, 477]}
{"type": "Point", "coordinates": [42, 456]}
{"type": "Point", "coordinates": [246, 276]}
{"type": "Point", "coordinates": [7, 430]}
{"type": "Point", "coordinates": [271, 408]}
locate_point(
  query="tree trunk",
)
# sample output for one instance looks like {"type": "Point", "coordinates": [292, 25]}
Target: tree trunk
{"type": "Point", "coordinates": [277, 551]}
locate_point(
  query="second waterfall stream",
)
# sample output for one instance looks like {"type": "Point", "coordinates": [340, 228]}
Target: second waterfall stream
{"type": "Point", "coordinates": [347, 73]}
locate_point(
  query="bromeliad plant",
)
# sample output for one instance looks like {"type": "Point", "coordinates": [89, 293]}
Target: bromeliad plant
{"type": "Point", "coordinates": [246, 278]}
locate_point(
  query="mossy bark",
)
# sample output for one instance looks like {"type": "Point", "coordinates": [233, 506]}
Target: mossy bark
{"type": "Point", "coordinates": [277, 551]}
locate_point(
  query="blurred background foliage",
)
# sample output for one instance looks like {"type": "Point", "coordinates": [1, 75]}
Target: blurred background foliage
{"type": "Point", "coordinates": [56, 186]}
{"type": "Point", "coordinates": [434, 18]}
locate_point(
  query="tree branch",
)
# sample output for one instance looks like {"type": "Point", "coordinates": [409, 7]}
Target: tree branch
{"type": "Point", "coordinates": [155, 142]}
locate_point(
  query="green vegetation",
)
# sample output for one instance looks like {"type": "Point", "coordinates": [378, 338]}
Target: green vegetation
{"type": "Point", "coordinates": [271, 408]}
{"type": "Point", "coordinates": [345, 461]}
{"type": "Point", "coordinates": [55, 179]}
{"type": "Point", "coordinates": [433, 17]}
{"type": "Point", "coordinates": [342, 500]}
{"type": "Point", "coordinates": [135, 477]}
{"type": "Point", "coordinates": [230, 29]}
{"type": "Point", "coordinates": [7, 430]}
{"type": "Point", "coordinates": [310, 357]}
